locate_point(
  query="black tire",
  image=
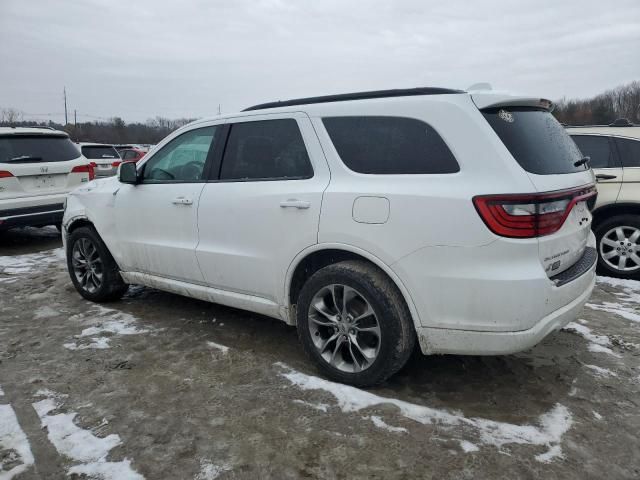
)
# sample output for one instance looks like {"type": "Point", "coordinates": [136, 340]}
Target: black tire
{"type": "Point", "coordinates": [604, 268]}
{"type": "Point", "coordinates": [398, 336]}
{"type": "Point", "coordinates": [111, 287]}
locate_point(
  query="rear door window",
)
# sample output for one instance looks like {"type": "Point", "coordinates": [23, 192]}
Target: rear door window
{"type": "Point", "coordinates": [599, 149]}
{"type": "Point", "coordinates": [629, 152]}
{"type": "Point", "coordinates": [535, 139]}
{"type": "Point", "coordinates": [383, 145]}
{"type": "Point", "coordinates": [100, 152]}
{"type": "Point", "coordinates": [36, 149]}
{"type": "Point", "coordinates": [266, 150]}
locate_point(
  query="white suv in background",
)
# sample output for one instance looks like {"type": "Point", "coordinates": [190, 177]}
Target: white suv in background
{"type": "Point", "coordinates": [38, 167]}
{"type": "Point", "coordinates": [614, 152]}
{"type": "Point", "coordinates": [371, 221]}
{"type": "Point", "coordinates": [105, 157]}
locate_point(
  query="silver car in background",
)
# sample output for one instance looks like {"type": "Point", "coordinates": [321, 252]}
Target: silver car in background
{"type": "Point", "coordinates": [105, 157]}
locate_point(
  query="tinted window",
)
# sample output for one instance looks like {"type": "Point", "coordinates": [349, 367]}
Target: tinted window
{"type": "Point", "coordinates": [598, 148]}
{"type": "Point", "coordinates": [182, 159]}
{"type": "Point", "coordinates": [99, 152]}
{"type": "Point", "coordinates": [36, 148]}
{"type": "Point", "coordinates": [629, 152]}
{"type": "Point", "coordinates": [269, 149]}
{"type": "Point", "coordinates": [389, 145]}
{"type": "Point", "coordinates": [535, 139]}
{"type": "Point", "coordinates": [128, 154]}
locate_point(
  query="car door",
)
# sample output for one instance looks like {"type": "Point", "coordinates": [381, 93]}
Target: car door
{"type": "Point", "coordinates": [264, 206]}
{"type": "Point", "coordinates": [156, 220]}
{"type": "Point", "coordinates": [629, 150]}
{"type": "Point", "coordinates": [605, 163]}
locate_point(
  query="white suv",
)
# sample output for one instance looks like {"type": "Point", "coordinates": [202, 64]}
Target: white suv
{"type": "Point", "coordinates": [38, 166]}
{"type": "Point", "coordinates": [614, 152]}
{"type": "Point", "coordinates": [370, 220]}
{"type": "Point", "coordinates": [105, 158]}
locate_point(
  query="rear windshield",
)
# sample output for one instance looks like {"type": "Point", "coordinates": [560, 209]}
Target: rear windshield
{"type": "Point", "coordinates": [536, 140]}
{"type": "Point", "coordinates": [99, 152]}
{"type": "Point", "coordinates": [36, 148]}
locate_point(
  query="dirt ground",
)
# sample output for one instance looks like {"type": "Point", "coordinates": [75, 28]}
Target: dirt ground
{"type": "Point", "coordinates": [158, 386]}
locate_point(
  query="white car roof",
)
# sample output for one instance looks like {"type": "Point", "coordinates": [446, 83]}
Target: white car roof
{"type": "Point", "coordinates": [629, 132]}
{"type": "Point", "coordinates": [91, 144]}
{"type": "Point", "coordinates": [31, 131]}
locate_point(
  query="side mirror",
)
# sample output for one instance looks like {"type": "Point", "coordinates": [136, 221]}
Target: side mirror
{"type": "Point", "coordinates": [128, 173]}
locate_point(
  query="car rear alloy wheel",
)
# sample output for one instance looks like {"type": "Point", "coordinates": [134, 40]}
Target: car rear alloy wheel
{"type": "Point", "coordinates": [620, 248]}
{"type": "Point", "coordinates": [87, 265]}
{"type": "Point", "coordinates": [344, 328]}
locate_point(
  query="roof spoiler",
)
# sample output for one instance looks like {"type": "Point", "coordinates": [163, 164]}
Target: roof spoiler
{"type": "Point", "coordinates": [497, 100]}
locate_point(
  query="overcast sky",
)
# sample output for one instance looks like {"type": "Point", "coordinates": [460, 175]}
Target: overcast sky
{"type": "Point", "coordinates": [138, 59]}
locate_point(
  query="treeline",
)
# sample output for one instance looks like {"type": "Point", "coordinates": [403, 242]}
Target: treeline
{"type": "Point", "coordinates": [603, 109]}
{"type": "Point", "coordinates": [114, 131]}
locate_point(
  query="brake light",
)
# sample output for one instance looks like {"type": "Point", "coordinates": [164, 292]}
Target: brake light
{"type": "Point", "coordinates": [530, 215]}
{"type": "Point", "coordinates": [116, 163]}
{"type": "Point", "coordinates": [85, 169]}
{"type": "Point", "coordinates": [5, 174]}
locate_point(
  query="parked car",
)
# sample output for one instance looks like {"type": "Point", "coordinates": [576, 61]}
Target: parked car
{"type": "Point", "coordinates": [614, 152]}
{"type": "Point", "coordinates": [38, 166]}
{"type": "Point", "coordinates": [371, 221]}
{"type": "Point", "coordinates": [131, 154]}
{"type": "Point", "coordinates": [105, 157]}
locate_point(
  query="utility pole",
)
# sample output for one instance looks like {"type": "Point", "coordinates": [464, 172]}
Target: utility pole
{"type": "Point", "coordinates": [75, 119]}
{"type": "Point", "coordinates": [64, 91]}
{"type": "Point", "coordinates": [218, 109]}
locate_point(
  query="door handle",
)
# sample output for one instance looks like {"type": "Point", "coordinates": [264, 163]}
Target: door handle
{"type": "Point", "coordinates": [604, 176]}
{"type": "Point", "coordinates": [293, 203]}
{"type": "Point", "coordinates": [182, 201]}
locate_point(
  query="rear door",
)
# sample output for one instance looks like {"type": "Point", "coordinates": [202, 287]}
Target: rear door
{"type": "Point", "coordinates": [156, 220]}
{"type": "Point", "coordinates": [39, 164]}
{"type": "Point", "coordinates": [605, 163]}
{"type": "Point", "coordinates": [553, 162]}
{"type": "Point", "coordinates": [264, 206]}
{"type": "Point", "coordinates": [629, 150]}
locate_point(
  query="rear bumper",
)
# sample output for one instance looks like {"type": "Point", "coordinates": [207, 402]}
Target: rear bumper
{"type": "Point", "coordinates": [32, 211]}
{"type": "Point", "coordinates": [466, 342]}
{"type": "Point", "coordinates": [105, 172]}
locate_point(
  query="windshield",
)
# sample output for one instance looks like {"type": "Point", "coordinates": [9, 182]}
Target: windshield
{"type": "Point", "coordinates": [36, 148]}
{"type": "Point", "coordinates": [99, 152]}
{"type": "Point", "coordinates": [536, 140]}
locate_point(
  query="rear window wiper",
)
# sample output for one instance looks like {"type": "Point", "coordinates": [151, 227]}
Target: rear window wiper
{"type": "Point", "coordinates": [25, 159]}
{"type": "Point", "coordinates": [582, 161]}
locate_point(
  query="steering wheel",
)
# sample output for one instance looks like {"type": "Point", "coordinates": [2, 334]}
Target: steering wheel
{"type": "Point", "coordinates": [169, 175]}
{"type": "Point", "coordinates": [191, 171]}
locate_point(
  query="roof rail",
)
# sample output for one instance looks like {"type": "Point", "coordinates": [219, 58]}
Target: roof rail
{"type": "Point", "coordinates": [405, 92]}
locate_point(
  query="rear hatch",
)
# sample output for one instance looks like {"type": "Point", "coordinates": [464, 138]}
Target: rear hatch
{"type": "Point", "coordinates": [105, 157]}
{"type": "Point", "coordinates": [39, 164]}
{"type": "Point", "coordinates": [559, 174]}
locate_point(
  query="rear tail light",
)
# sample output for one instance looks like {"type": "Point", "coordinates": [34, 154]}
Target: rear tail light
{"type": "Point", "coordinates": [530, 215]}
{"type": "Point", "coordinates": [85, 169]}
{"type": "Point", "coordinates": [5, 174]}
{"type": "Point", "coordinates": [116, 163]}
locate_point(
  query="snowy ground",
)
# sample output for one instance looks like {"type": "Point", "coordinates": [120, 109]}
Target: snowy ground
{"type": "Point", "coordinates": [162, 387]}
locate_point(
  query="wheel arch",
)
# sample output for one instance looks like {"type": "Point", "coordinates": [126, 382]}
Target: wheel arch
{"type": "Point", "coordinates": [312, 259]}
{"type": "Point", "coordinates": [607, 211]}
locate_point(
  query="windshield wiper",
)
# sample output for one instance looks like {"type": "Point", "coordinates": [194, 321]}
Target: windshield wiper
{"type": "Point", "coordinates": [25, 159]}
{"type": "Point", "coordinates": [582, 161]}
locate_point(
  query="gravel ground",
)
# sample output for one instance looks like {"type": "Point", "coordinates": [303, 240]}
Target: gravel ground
{"type": "Point", "coordinates": [158, 386]}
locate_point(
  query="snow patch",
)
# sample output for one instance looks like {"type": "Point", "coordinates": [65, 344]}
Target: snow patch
{"type": "Point", "coordinates": [44, 312]}
{"type": "Point", "coordinates": [378, 422]}
{"type": "Point", "coordinates": [598, 343]}
{"type": "Point", "coordinates": [217, 346]}
{"type": "Point", "coordinates": [82, 446]}
{"type": "Point", "coordinates": [210, 471]}
{"type": "Point", "coordinates": [468, 447]}
{"type": "Point", "coordinates": [14, 445]}
{"type": "Point", "coordinates": [553, 453]}
{"type": "Point", "coordinates": [618, 309]}
{"type": "Point", "coordinates": [551, 425]}
{"type": "Point", "coordinates": [601, 372]}
{"type": "Point", "coordinates": [15, 265]}
{"type": "Point", "coordinates": [97, 343]}
{"type": "Point", "coordinates": [323, 407]}
{"type": "Point", "coordinates": [596, 415]}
